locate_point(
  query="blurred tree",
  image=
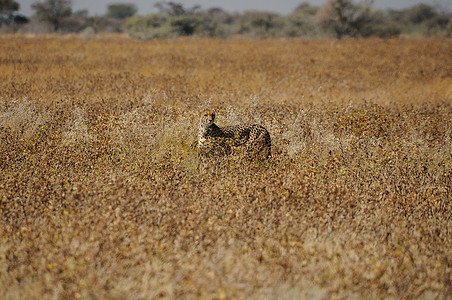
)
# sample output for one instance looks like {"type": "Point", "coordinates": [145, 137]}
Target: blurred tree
{"type": "Point", "coordinates": [172, 21]}
{"type": "Point", "coordinates": [217, 22]}
{"type": "Point", "coordinates": [185, 25]}
{"type": "Point", "coordinates": [9, 16]}
{"type": "Point", "coordinates": [413, 15]}
{"type": "Point", "coordinates": [440, 25]}
{"type": "Point", "coordinates": [148, 27]}
{"type": "Point", "coordinates": [381, 26]}
{"type": "Point", "coordinates": [176, 9]}
{"type": "Point", "coordinates": [82, 13]}
{"type": "Point", "coordinates": [422, 20]}
{"type": "Point", "coordinates": [256, 23]}
{"type": "Point", "coordinates": [300, 22]}
{"type": "Point", "coordinates": [420, 13]}
{"type": "Point", "coordinates": [344, 17]}
{"type": "Point", "coordinates": [53, 11]}
{"type": "Point", "coordinates": [8, 6]}
{"type": "Point", "coordinates": [121, 10]}
{"type": "Point", "coordinates": [306, 8]}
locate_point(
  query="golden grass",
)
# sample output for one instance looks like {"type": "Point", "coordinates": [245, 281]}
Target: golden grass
{"type": "Point", "coordinates": [103, 195]}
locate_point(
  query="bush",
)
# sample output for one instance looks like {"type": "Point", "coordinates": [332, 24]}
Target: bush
{"type": "Point", "coordinates": [386, 30]}
{"type": "Point", "coordinates": [260, 24]}
{"type": "Point", "coordinates": [121, 10]}
{"type": "Point", "coordinates": [186, 25]}
{"type": "Point", "coordinates": [147, 27]}
{"type": "Point", "coordinates": [159, 26]}
{"type": "Point", "coordinates": [419, 14]}
{"type": "Point", "coordinates": [217, 23]}
{"type": "Point", "coordinates": [345, 19]}
{"type": "Point", "coordinates": [440, 25]}
{"type": "Point", "coordinates": [300, 23]}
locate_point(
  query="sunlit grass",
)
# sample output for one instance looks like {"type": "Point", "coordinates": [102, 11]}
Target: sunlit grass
{"type": "Point", "coordinates": [104, 195]}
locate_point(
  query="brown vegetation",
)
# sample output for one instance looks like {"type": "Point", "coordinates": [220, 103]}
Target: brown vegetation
{"type": "Point", "coordinates": [103, 195]}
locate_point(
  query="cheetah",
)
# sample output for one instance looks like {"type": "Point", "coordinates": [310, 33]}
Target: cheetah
{"type": "Point", "coordinates": [254, 138]}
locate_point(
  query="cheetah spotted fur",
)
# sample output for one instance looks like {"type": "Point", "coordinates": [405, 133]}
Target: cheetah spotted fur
{"type": "Point", "coordinates": [254, 138]}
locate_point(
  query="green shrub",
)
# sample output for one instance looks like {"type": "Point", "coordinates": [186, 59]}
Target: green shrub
{"type": "Point", "coordinates": [147, 27]}
{"type": "Point", "coordinates": [260, 24]}
{"type": "Point", "coordinates": [186, 25]}
{"type": "Point", "coordinates": [300, 23]}
{"type": "Point", "coordinates": [121, 10]}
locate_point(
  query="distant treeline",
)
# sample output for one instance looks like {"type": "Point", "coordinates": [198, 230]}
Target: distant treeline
{"type": "Point", "coordinates": [336, 18]}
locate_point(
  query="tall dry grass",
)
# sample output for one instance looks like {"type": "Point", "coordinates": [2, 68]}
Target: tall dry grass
{"type": "Point", "coordinates": [103, 195]}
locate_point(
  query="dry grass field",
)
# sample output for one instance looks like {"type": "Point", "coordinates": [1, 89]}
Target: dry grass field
{"type": "Point", "coordinates": [103, 194]}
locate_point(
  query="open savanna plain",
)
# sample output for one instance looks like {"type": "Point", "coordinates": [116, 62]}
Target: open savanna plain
{"type": "Point", "coordinates": [103, 194]}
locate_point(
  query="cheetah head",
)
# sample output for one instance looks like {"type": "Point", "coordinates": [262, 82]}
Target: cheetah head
{"type": "Point", "coordinates": [207, 118]}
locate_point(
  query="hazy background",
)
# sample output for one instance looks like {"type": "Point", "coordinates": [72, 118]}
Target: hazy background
{"type": "Point", "coordinates": [98, 7]}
